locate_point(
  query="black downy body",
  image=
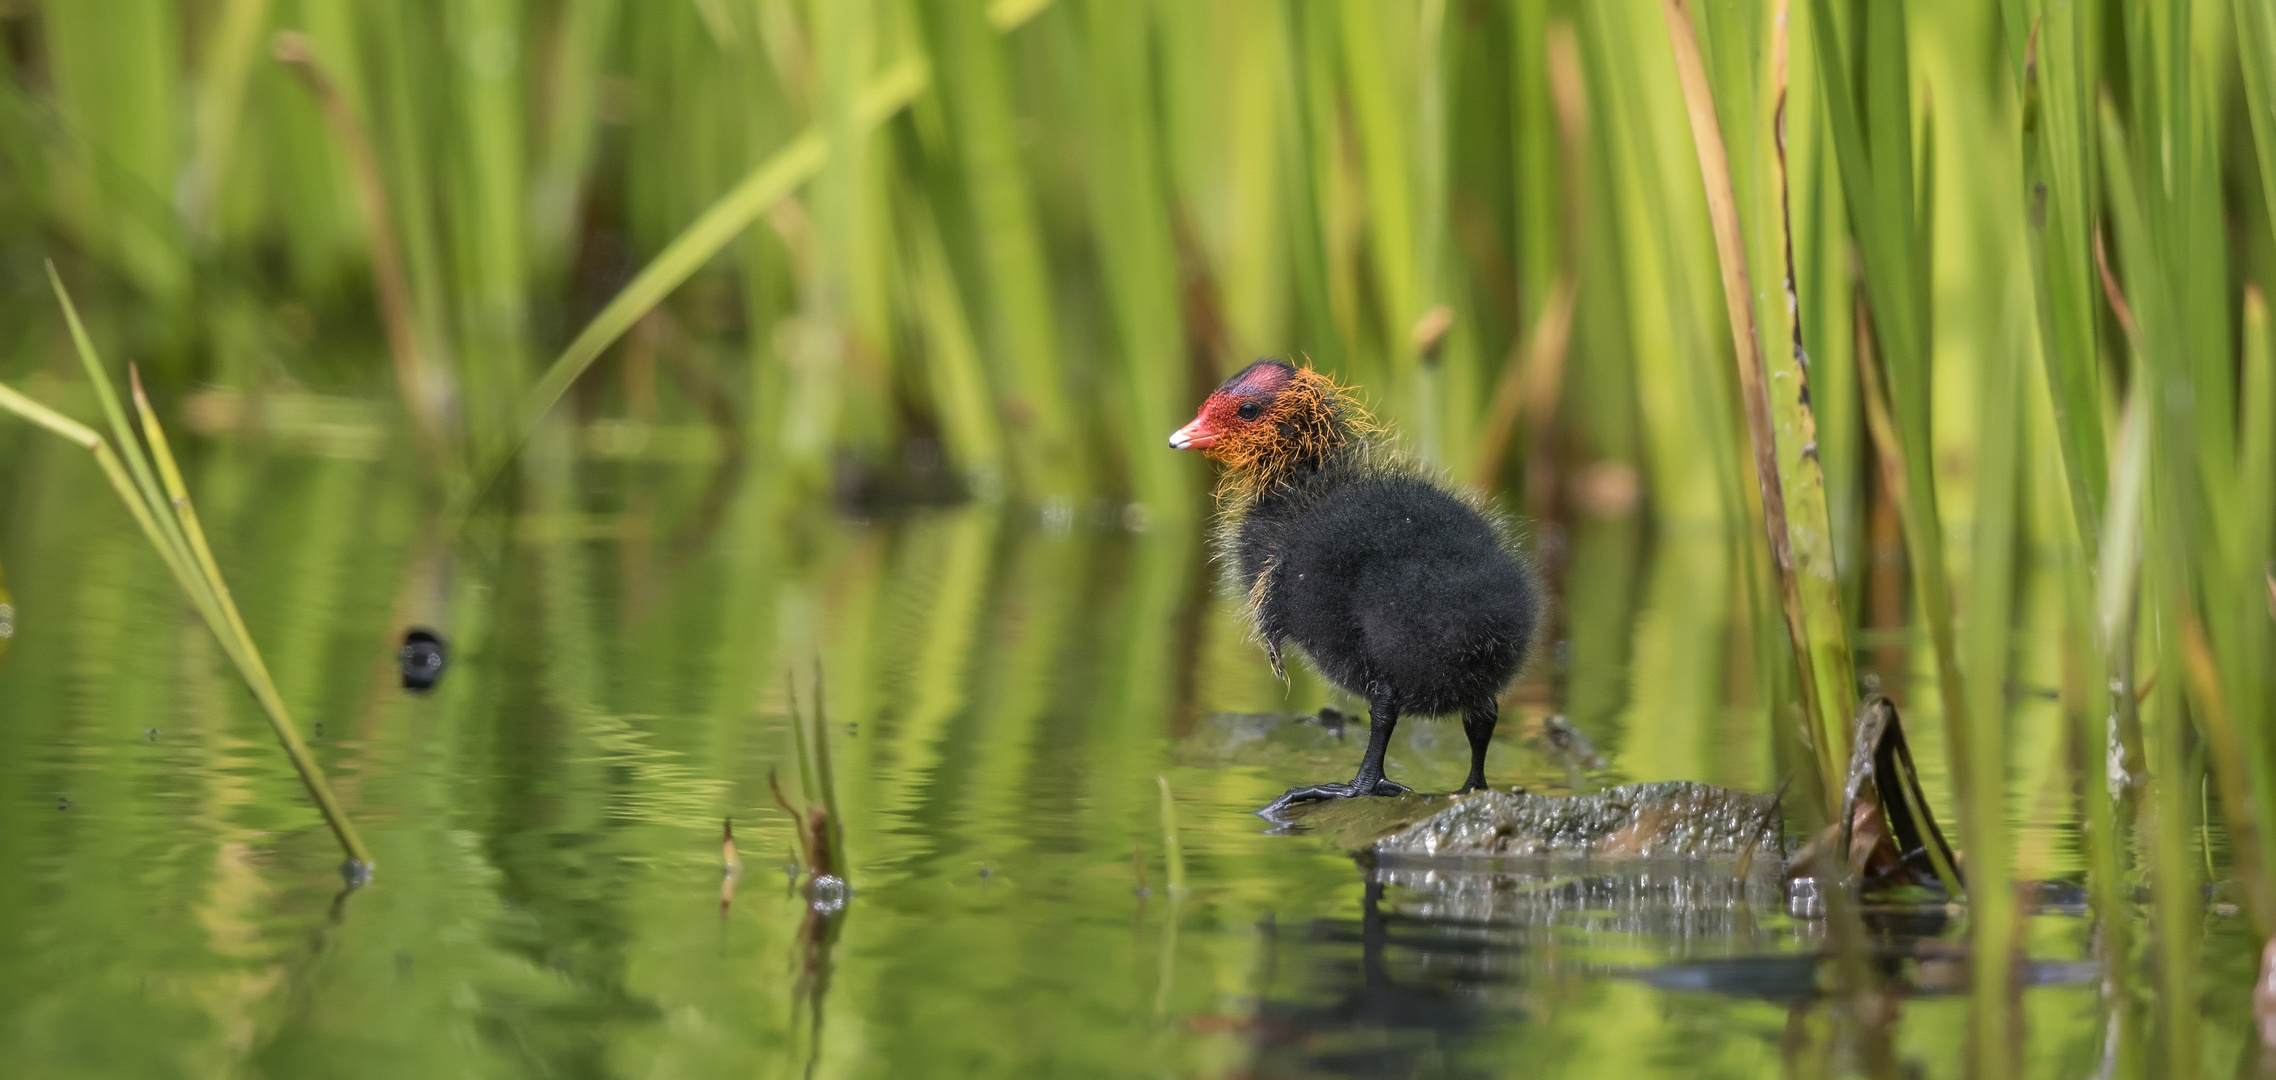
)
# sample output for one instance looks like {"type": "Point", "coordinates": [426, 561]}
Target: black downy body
{"type": "Point", "coordinates": [1396, 590]}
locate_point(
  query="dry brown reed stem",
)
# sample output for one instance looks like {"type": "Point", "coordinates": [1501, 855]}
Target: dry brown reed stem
{"type": "Point", "coordinates": [811, 828]}
{"type": "Point", "coordinates": [413, 378]}
{"type": "Point", "coordinates": [2116, 295]}
{"type": "Point", "coordinates": [730, 865]}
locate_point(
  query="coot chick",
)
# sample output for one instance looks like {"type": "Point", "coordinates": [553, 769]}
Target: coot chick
{"type": "Point", "coordinates": [1392, 586]}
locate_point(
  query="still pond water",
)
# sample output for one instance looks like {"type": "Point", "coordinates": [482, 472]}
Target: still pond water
{"type": "Point", "coordinates": [1004, 687]}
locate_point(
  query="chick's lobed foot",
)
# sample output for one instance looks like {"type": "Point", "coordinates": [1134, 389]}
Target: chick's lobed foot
{"type": "Point", "coordinates": [1320, 792]}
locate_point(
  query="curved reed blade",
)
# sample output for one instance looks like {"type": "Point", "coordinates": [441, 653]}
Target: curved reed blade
{"type": "Point", "coordinates": [778, 176]}
{"type": "Point", "coordinates": [170, 524]}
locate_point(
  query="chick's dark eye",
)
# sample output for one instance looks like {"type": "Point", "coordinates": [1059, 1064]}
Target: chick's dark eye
{"type": "Point", "coordinates": [1250, 410]}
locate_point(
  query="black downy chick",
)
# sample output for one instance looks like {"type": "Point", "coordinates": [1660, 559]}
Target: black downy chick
{"type": "Point", "coordinates": [1395, 588]}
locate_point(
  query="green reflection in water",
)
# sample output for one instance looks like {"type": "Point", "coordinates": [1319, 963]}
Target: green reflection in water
{"type": "Point", "coordinates": [1002, 696]}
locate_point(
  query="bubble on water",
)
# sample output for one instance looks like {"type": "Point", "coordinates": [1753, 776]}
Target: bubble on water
{"type": "Point", "coordinates": [828, 893]}
{"type": "Point", "coordinates": [1058, 515]}
{"type": "Point", "coordinates": [1805, 898]}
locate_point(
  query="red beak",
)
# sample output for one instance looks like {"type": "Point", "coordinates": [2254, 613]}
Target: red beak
{"type": "Point", "coordinates": [1193, 436]}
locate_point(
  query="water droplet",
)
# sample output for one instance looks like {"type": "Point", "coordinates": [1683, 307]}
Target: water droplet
{"type": "Point", "coordinates": [828, 894]}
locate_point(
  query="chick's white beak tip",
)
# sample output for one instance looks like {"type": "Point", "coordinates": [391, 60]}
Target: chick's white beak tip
{"type": "Point", "coordinates": [1190, 437]}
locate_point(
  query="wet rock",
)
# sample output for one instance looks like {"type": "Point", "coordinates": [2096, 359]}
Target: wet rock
{"type": "Point", "coordinates": [1669, 819]}
{"type": "Point", "coordinates": [1705, 899]}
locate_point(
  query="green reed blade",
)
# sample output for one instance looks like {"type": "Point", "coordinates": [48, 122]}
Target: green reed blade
{"type": "Point", "coordinates": [2058, 198]}
{"type": "Point", "coordinates": [1651, 200]}
{"type": "Point", "coordinates": [201, 583]}
{"type": "Point", "coordinates": [87, 439]}
{"type": "Point", "coordinates": [2256, 58]}
{"type": "Point", "coordinates": [1138, 256]}
{"type": "Point", "coordinates": [1888, 211]}
{"type": "Point", "coordinates": [2176, 884]}
{"type": "Point", "coordinates": [1008, 15]}
{"type": "Point", "coordinates": [1371, 92]}
{"type": "Point", "coordinates": [1173, 850]}
{"type": "Point", "coordinates": [422, 396]}
{"type": "Point", "coordinates": [233, 46]}
{"type": "Point", "coordinates": [2103, 839]}
{"type": "Point", "coordinates": [114, 72]}
{"type": "Point", "coordinates": [128, 448]}
{"type": "Point", "coordinates": [1029, 367]}
{"type": "Point", "coordinates": [163, 519]}
{"type": "Point", "coordinates": [2251, 691]}
{"type": "Point", "coordinates": [237, 640]}
{"type": "Point", "coordinates": [733, 212]}
{"type": "Point", "coordinates": [1535, 168]}
{"type": "Point", "coordinates": [1303, 148]}
{"type": "Point", "coordinates": [959, 386]}
{"type": "Point", "coordinates": [1990, 615]}
{"type": "Point", "coordinates": [186, 516]}
{"type": "Point", "coordinates": [2242, 809]}
{"type": "Point", "coordinates": [2241, 606]}
{"type": "Point", "coordinates": [2256, 439]}
{"type": "Point", "coordinates": [1779, 423]}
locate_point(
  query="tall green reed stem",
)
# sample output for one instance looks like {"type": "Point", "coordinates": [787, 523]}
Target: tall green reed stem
{"type": "Point", "coordinates": [766, 185]}
{"type": "Point", "coordinates": [1781, 428]}
{"type": "Point", "coordinates": [416, 379]}
{"type": "Point", "coordinates": [1873, 136]}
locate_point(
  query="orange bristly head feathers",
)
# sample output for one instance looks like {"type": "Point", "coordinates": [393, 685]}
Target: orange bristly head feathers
{"type": "Point", "coordinates": [1270, 420]}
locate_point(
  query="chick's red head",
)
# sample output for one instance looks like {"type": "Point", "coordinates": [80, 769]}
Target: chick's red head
{"type": "Point", "coordinates": [1269, 417]}
{"type": "Point", "coordinates": [1239, 413]}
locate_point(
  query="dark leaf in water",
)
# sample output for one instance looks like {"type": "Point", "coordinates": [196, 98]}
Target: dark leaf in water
{"type": "Point", "coordinates": [1923, 967]}
{"type": "Point", "coordinates": [1786, 980]}
{"type": "Point", "coordinates": [1889, 836]}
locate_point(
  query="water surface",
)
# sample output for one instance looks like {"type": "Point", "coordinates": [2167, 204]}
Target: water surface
{"type": "Point", "coordinates": [1004, 686]}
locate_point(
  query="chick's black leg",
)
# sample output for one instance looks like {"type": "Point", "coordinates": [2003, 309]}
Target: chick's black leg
{"type": "Point", "coordinates": [1382, 716]}
{"type": "Point", "coordinates": [1478, 723]}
